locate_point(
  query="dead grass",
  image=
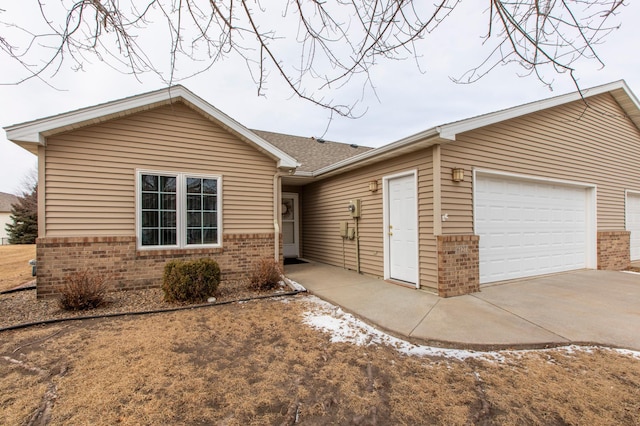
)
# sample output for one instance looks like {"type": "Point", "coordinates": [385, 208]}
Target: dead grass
{"type": "Point", "coordinates": [257, 363]}
{"type": "Point", "coordinates": [14, 265]}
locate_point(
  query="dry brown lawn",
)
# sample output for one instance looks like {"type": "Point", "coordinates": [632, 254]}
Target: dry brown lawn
{"type": "Point", "coordinates": [14, 264]}
{"type": "Point", "coordinates": [258, 363]}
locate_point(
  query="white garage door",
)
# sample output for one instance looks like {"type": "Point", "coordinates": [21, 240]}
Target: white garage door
{"type": "Point", "coordinates": [529, 227]}
{"type": "Point", "coordinates": [633, 223]}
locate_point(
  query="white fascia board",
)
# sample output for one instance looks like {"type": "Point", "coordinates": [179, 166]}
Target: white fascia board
{"type": "Point", "coordinates": [34, 132]}
{"type": "Point", "coordinates": [623, 85]}
{"type": "Point", "coordinates": [449, 131]}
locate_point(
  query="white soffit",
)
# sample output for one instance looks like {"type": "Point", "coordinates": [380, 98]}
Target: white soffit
{"type": "Point", "coordinates": [34, 132]}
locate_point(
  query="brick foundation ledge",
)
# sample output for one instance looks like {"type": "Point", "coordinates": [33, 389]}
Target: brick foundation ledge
{"type": "Point", "coordinates": [458, 265]}
{"type": "Point", "coordinates": [614, 250]}
{"type": "Point", "coordinates": [131, 269]}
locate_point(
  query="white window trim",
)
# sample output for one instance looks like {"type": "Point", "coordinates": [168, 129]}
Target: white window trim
{"type": "Point", "coordinates": [181, 209]}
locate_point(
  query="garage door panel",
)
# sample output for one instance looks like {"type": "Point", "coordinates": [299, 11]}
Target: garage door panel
{"type": "Point", "coordinates": [529, 228]}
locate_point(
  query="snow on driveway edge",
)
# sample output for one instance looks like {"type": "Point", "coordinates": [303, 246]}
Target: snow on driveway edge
{"type": "Point", "coordinates": [344, 327]}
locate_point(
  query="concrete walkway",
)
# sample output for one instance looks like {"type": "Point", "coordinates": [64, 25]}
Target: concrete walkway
{"type": "Point", "coordinates": [583, 307]}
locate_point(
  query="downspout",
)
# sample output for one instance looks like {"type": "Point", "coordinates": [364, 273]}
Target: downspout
{"type": "Point", "coordinates": [277, 202]}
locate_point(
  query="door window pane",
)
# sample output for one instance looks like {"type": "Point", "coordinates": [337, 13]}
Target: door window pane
{"type": "Point", "coordinates": [288, 233]}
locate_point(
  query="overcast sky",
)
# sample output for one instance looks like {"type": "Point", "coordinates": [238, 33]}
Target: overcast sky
{"type": "Point", "coordinates": [406, 100]}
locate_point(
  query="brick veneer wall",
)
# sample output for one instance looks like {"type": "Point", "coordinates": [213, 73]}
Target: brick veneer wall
{"type": "Point", "coordinates": [614, 250]}
{"type": "Point", "coordinates": [129, 268]}
{"type": "Point", "coordinates": [458, 265]}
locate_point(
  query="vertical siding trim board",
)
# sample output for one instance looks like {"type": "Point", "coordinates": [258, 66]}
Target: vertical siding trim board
{"type": "Point", "coordinates": [385, 215]}
{"type": "Point", "coordinates": [42, 188]}
{"type": "Point", "coordinates": [591, 260]}
{"type": "Point", "coordinates": [437, 190]}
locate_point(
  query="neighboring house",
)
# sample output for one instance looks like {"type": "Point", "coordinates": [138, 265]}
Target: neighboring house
{"type": "Point", "coordinates": [541, 188]}
{"type": "Point", "coordinates": [6, 200]}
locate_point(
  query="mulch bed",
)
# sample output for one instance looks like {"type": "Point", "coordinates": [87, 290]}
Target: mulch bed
{"type": "Point", "coordinates": [23, 306]}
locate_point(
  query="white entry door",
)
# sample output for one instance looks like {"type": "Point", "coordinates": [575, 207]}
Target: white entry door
{"type": "Point", "coordinates": [633, 223]}
{"type": "Point", "coordinates": [290, 233]}
{"type": "Point", "coordinates": [402, 228]}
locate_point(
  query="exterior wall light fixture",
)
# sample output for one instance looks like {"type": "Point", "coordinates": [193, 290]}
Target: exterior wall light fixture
{"type": "Point", "coordinates": [457, 175]}
{"type": "Point", "coordinates": [373, 185]}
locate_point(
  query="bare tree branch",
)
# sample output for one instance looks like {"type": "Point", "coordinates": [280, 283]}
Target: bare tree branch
{"type": "Point", "coordinates": [335, 41]}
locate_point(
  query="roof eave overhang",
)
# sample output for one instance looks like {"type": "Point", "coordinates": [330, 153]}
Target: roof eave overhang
{"type": "Point", "coordinates": [406, 145]}
{"type": "Point", "coordinates": [34, 133]}
{"type": "Point", "coordinates": [619, 89]}
{"type": "Point", "coordinates": [448, 132]}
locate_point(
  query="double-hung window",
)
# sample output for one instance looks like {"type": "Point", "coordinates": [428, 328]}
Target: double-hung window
{"type": "Point", "coordinates": [178, 210]}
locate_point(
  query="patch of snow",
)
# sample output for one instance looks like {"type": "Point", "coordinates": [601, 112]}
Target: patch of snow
{"type": "Point", "coordinates": [296, 286]}
{"type": "Point", "coordinates": [344, 327]}
{"type": "Point", "coordinates": [628, 352]}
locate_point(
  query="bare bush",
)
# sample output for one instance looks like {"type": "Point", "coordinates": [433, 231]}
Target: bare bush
{"type": "Point", "coordinates": [83, 290]}
{"type": "Point", "coordinates": [266, 274]}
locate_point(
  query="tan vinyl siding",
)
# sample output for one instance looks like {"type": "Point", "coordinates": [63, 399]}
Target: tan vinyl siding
{"type": "Point", "coordinates": [325, 205]}
{"type": "Point", "coordinates": [598, 146]}
{"type": "Point", "coordinates": [90, 172]}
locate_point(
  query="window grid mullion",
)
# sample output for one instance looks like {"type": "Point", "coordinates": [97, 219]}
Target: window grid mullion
{"type": "Point", "coordinates": [182, 200]}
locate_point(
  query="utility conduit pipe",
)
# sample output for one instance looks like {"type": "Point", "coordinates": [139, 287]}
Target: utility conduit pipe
{"type": "Point", "coordinates": [357, 246]}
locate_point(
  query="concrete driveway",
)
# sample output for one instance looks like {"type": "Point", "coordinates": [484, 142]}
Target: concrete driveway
{"type": "Point", "coordinates": [582, 307]}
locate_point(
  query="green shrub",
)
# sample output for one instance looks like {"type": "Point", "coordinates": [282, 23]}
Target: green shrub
{"type": "Point", "coordinates": [266, 274]}
{"type": "Point", "coordinates": [82, 290]}
{"type": "Point", "coordinates": [190, 281]}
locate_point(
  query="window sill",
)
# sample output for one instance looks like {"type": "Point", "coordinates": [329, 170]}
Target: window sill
{"type": "Point", "coordinates": [152, 252]}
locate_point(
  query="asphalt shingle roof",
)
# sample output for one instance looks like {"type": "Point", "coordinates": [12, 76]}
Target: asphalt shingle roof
{"type": "Point", "coordinates": [6, 200]}
{"type": "Point", "coordinates": [312, 155]}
